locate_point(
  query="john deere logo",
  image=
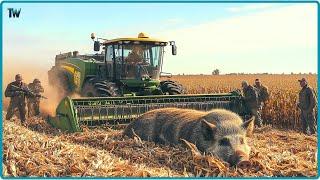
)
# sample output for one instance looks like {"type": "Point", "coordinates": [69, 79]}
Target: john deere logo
{"type": "Point", "coordinates": [14, 13]}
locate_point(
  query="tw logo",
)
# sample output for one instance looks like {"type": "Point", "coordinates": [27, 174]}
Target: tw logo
{"type": "Point", "coordinates": [14, 13]}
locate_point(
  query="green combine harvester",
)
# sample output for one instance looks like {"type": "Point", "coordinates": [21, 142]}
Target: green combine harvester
{"type": "Point", "coordinates": [122, 82]}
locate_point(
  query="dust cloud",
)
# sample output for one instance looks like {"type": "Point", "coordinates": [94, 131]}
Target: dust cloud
{"type": "Point", "coordinates": [29, 73]}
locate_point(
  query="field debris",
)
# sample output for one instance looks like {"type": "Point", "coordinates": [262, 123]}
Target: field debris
{"type": "Point", "coordinates": [39, 150]}
{"type": "Point", "coordinates": [29, 153]}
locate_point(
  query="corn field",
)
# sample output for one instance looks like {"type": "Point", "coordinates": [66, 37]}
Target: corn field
{"type": "Point", "coordinates": [280, 111]}
{"type": "Point", "coordinates": [39, 150]}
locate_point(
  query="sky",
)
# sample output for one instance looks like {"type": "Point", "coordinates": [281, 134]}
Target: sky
{"type": "Point", "coordinates": [232, 37]}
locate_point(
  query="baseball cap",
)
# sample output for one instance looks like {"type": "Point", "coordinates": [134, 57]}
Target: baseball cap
{"type": "Point", "coordinates": [36, 81]}
{"type": "Point", "coordinates": [244, 82]}
{"type": "Point", "coordinates": [302, 80]}
{"type": "Point", "coordinates": [18, 77]}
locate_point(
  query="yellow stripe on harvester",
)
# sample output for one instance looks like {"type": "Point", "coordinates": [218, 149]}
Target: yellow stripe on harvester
{"type": "Point", "coordinates": [68, 68]}
{"type": "Point", "coordinates": [75, 74]}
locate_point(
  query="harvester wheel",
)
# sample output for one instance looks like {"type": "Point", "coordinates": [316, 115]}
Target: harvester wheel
{"type": "Point", "coordinates": [100, 89]}
{"type": "Point", "coordinates": [171, 87]}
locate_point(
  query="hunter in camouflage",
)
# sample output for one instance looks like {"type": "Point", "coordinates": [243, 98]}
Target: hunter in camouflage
{"type": "Point", "coordinates": [250, 97]}
{"type": "Point", "coordinates": [263, 95]}
{"type": "Point", "coordinates": [34, 101]}
{"type": "Point", "coordinates": [307, 103]}
{"type": "Point", "coordinates": [15, 90]}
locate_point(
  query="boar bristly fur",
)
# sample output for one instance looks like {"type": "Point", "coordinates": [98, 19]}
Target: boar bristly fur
{"type": "Point", "coordinates": [220, 132]}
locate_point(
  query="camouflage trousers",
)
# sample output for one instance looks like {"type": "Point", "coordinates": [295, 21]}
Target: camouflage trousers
{"type": "Point", "coordinates": [33, 107]}
{"type": "Point", "coordinates": [308, 120]}
{"type": "Point", "coordinates": [21, 106]}
{"type": "Point", "coordinates": [256, 112]}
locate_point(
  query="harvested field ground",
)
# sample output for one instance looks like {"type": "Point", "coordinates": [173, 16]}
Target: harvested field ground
{"type": "Point", "coordinates": [39, 150]}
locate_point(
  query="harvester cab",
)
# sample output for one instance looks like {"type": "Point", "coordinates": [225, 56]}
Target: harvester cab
{"type": "Point", "coordinates": [135, 64]}
{"type": "Point", "coordinates": [121, 67]}
{"type": "Point", "coordinates": [121, 82]}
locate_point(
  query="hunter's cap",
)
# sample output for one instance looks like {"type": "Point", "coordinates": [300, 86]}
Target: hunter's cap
{"type": "Point", "coordinates": [36, 81]}
{"type": "Point", "coordinates": [18, 77]}
{"type": "Point", "coordinates": [244, 83]}
{"type": "Point", "coordinates": [302, 80]}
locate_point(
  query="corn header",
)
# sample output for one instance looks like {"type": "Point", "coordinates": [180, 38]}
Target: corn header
{"type": "Point", "coordinates": [122, 82]}
{"type": "Point", "coordinates": [71, 114]}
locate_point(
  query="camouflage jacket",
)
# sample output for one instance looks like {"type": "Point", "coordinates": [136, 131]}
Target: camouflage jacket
{"type": "Point", "coordinates": [263, 93]}
{"type": "Point", "coordinates": [251, 97]}
{"type": "Point", "coordinates": [36, 89]}
{"type": "Point", "coordinates": [16, 94]}
{"type": "Point", "coordinates": [307, 99]}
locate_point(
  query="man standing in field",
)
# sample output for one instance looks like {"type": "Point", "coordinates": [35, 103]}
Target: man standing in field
{"type": "Point", "coordinates": [263, 94]}
{"type": "Point", "coordinates": [307, 102]}
{"type": "Point", "coordinates": [34, 101]}
{"type": "Point", "coordinates": [17, 91]}
{"type": "Point", "coordinates": [250, 97]}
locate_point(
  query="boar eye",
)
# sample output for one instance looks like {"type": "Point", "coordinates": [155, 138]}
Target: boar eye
{"type": "Point", "coordinates": [224, 142]}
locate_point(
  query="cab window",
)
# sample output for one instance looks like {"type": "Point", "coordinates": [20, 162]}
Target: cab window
{"type": "Point", "coordinates": [109, 53]}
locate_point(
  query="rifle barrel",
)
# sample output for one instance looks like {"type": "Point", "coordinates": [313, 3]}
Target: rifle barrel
{"type": "Point", "coordinates": [27, 90]}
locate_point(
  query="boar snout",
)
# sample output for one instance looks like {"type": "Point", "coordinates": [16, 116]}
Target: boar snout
{"type": "Point", "coordinates": [240, 159]}
{"type": "Point", "coordinates": [245, 164]}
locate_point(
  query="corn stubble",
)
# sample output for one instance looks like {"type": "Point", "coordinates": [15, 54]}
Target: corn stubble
{"type": "Point", "coordinates": [40, 150]}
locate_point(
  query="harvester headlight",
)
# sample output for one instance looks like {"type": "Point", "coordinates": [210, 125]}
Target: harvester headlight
{"type": "Point", "coordinates": [93, 36]}
{"type": "Point", "coordinates": [145, 78]}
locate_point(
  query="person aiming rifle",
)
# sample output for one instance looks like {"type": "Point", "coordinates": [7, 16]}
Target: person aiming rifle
{"type": "Point", "coordinates": [33, 102]}
{"type": "Point", "coordinates": [17, 91]}
{"type": "Point", "coordinates": [28, 91]}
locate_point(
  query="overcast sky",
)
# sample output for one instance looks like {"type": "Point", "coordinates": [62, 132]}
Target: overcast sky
{"type": "Point", "coordinates": [233, 37]}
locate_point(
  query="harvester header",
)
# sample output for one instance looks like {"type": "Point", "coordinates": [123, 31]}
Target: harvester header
{"type": "Point", "coordinates": [71, 114]}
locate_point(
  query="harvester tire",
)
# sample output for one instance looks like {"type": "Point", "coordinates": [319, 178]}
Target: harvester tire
{"type": "Point", "coordinates": [100, 89]}
{"type": "Point", "coordinates": [171, 87]}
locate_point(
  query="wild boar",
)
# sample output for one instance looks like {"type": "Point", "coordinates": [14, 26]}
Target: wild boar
{"type": "Point", "coordinates": [220, 132]}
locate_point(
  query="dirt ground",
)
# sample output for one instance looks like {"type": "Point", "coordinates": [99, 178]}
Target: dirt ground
{"type": "Point", "coordinates": [39, 150]}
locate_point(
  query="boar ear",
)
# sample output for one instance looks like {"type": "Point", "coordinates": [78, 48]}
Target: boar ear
{"type": "Point", "coordinates": [248, 126]}
{"type": "Point", "coordinates": [208, 129]}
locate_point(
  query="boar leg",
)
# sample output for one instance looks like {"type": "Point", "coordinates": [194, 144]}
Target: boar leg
{"type": "Point", "coordinates": [193, 148]}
